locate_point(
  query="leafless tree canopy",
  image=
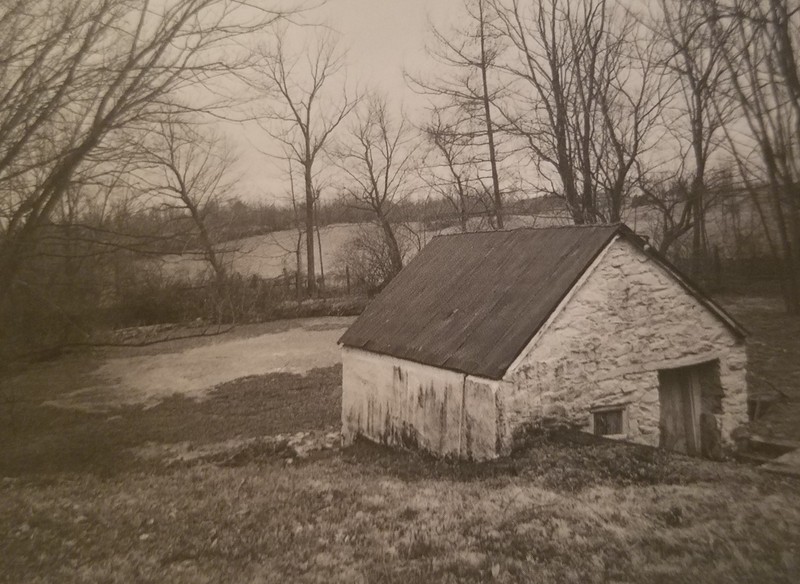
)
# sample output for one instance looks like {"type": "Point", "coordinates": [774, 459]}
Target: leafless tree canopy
{"type": "Point", "coordinates": [187, 169]}
{"type": "Point", "coordinates": [301, 112]}
{"type": "Point", "coordinates": [451, 170]}
{"type": "Point", "coordinates": [587, 99]}
{"type": "Point", "coordinates": [377, 159]}
{"type": "Point", "coordinates": [76, 78]}
{"type": "Point", "coordinates": [465, 96]}
{"type": "Point", "coordinates": [758, 42]}
{"type": "Point", "coordinates": [106, 157]}
{"type": "Point", "coordinates": [694, 69]}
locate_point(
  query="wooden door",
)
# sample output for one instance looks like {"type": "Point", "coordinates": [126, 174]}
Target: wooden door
{"type": "Point", "coordinates": [679, 397]}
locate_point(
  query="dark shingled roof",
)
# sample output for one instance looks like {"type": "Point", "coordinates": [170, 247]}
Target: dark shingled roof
{"type": "Point", "coordinates": [471, 302]}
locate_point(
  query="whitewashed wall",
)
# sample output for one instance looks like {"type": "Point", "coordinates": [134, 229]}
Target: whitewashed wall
{"type": "Point", "coordinates": [627, 320]}
{"type": "Point", "coordinates": [401, 402]}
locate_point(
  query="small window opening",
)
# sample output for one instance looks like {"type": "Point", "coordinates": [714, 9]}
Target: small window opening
{"type": "Point", "coordinates": [608, 422]}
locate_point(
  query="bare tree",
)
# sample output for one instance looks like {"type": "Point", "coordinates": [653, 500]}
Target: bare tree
{"type": "Point", "coordinates": [669, 198]}
{"type": "Point", "coordinates": [692, 57]}
{"type": "Point", "coordinates": [299, 227]}
{"type": "Point", "coordinates": [75, 76]}
{"type": "Point", "coordinates": [450, 167]}
{"type": "Point", "coordinates": [189, 171]}
{"type": "Point", "coordinates": [378, 161]}
{"type": "Point", "coordinates": [587, 99]}
{"type": "Point", "coordinates": [469, 54]}
{"type": "Point", "coordinates": [301, 115]}
{"type": "Point", "coordinates": [759, 40]}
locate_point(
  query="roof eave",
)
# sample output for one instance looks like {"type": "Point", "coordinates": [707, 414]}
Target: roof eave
{"type": "Point", "coordinates": [445, 366]}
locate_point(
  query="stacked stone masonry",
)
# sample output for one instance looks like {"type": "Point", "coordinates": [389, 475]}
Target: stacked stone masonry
{"type": "Point", "coordinates": [629, 319]}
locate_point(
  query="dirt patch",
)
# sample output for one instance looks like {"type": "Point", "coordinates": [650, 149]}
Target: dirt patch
{"type": "Point", "coordinates": [38, 439]}
{"type": "Point", "coordinates": [146, 376]}
{"type": "Point", "coordinates": [240, 452]}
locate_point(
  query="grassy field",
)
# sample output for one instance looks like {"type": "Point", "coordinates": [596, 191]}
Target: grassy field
{"type": "Point", "coordinates": [773, 355]}
{"type": "Point", "coordinates": [190, 491]}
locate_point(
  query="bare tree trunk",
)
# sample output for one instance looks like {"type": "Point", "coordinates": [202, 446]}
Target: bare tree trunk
{"type": "Point", "coordinates": [395, 257]}
{"type": "Point", "coordinates": [791, 276]}
{"type": "Point", "coordinates": [298, 272]}
{"type": "Point", "coordinates": [209, 251]}
{"type": "Point", "coordinates": [762, 68]}
{"type": "Point", "coordinates": [487, 112]}
{"type": "Point", "coordinates": [310, 263]}
{"type": "Point", "coordinates": [463, 213]}
{"type": "Point", "coordinates": [465, 88]}
{"type": "Point", "coordinates": [456, 151]}
{"type": "Point", "coordinates": [296, 115]}
{"type": "Point", "coordinates": [319, 248]}
{"type": "Point", "coordinates": [697, 202]}
{"type": "Point", "coordinates": [378, 162]}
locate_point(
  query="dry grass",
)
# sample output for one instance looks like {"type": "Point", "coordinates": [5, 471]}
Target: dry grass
{"type": "Point", "coordinates": [371, 515]}
{"type": "Point", "coordinates": [77, 505]}
{"type": "Point", "coordinates": [773, 347]}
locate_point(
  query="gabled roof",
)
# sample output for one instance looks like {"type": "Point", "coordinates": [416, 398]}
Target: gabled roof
{"type": "Point", "coordinates": [471, 302]}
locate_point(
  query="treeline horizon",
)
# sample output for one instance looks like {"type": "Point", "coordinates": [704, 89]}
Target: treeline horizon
{"type": "Point", "coordinates": [111, 150]}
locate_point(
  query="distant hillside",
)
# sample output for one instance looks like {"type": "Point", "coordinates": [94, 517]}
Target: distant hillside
{"type": "Point", "coordinates": [267, 256]}
{"type": "Point", "coordinates": [733, 227]}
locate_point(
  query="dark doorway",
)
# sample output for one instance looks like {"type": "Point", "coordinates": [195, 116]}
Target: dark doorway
{"type": "Point", "coordinates": [690, 399]}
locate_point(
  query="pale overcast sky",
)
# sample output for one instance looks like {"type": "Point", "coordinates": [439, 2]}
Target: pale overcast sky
{"type": "Point", "coordinates": [382, 37]}
{"type": "Point", "coordinates": [385, 35]}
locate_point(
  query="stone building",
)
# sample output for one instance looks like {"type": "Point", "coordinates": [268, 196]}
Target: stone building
{"type": "Point", "coordinates": [485, 334]}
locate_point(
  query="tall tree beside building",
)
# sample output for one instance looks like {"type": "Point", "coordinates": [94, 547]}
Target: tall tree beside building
{"type": "Point", "coordinates": [759, 40]}
{"type": "Point", "coordinates": [467, 88]}
{"type": "Point", "coordinates": [693, 63]}
{"type": "Point", "coordinates": [586, 100]}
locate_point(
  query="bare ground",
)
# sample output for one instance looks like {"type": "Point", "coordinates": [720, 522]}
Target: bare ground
{"type": "Point", "coordinates": [105, 380]}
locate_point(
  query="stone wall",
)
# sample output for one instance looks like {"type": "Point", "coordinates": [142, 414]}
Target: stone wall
{"type": "Point", "coordinates": [624, 323]}
{"type": "Point", "coordinates": [402, 403]}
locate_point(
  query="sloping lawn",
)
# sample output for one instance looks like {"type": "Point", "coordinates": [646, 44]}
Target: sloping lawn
{"type": "Point", "coordinates": [773, 355]}
{"type": "Point", "coordinates": [80, 503]}
{"type": "Point", "coordinates": [556, 513]}
{"type": "Point", "coordinates": [43, 439]}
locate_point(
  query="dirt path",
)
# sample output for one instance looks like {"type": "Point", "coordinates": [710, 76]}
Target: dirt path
{"type": "Point", "coordinates": [105, 383]}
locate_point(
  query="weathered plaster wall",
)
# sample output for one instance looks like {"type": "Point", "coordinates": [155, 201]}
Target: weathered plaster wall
{"type": "Point", "coordinates": [400, 402]}
{"type": "Point", "coordinates": [629, 319]}
{"type": "Point", "coordinates": [479, 436]}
